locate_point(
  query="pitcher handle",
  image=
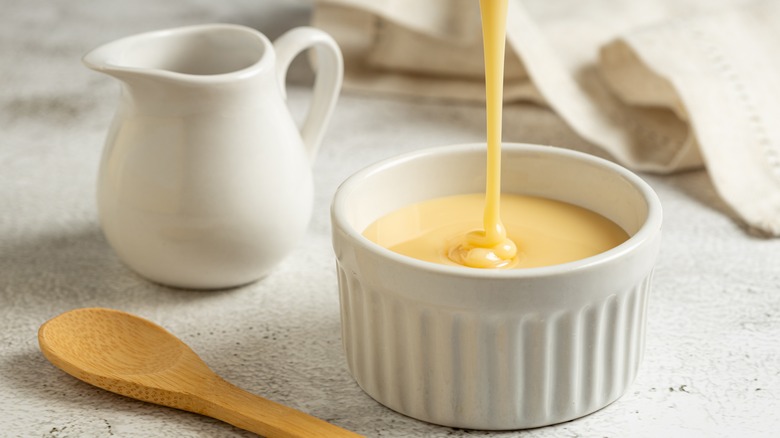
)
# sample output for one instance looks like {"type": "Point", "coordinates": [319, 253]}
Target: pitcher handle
{"type": "Point", "coordinates": [327, 84]}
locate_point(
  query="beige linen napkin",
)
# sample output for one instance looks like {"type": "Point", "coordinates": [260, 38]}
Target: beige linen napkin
{"type": "Point", "coordinates": [662, 85]}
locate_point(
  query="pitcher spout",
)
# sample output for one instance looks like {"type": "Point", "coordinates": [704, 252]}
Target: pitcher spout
{"type": "Point", "coordinates": [120, 59]}
{"type": "Point", "coordinates": [106, 58]}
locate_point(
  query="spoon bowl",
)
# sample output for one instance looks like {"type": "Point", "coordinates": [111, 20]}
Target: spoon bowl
{"type": "Point", "coordinates": [134, 357]}
{"type": "Point", "coordinates": [103, 330]}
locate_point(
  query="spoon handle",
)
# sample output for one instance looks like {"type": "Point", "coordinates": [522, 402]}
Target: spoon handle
{"type": "Point", "coordinates": [251, 412]}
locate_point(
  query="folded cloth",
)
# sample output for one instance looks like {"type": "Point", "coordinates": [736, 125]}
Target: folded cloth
{"type": "Point", "coordinates": [662, 85]}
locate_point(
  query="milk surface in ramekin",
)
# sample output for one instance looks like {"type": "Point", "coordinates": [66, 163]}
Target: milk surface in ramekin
{"type": "Point", "coordinates": [494, 349]}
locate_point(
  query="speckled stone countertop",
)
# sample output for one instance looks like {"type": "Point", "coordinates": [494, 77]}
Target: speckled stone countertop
{"type": "Point", "coordinates": [712, 358]}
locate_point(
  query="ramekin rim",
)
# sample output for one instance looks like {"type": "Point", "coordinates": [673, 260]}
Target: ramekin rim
{"type": "Point", "coordinates": [650, 227]}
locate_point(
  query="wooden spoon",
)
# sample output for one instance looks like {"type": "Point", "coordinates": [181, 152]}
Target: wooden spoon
{"type": "Point", "coordinates": [131, 356]}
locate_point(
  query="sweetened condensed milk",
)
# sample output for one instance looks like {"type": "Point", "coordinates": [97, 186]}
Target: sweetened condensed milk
{"type": "Point", "coordinates": [547, 232]}
{"type": "Point", "coordinates": [468, 230]}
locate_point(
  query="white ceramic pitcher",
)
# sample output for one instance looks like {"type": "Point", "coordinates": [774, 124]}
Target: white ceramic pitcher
{"type": "Point", "coordinates": [205, 179]}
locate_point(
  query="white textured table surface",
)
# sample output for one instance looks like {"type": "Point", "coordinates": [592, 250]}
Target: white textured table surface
{"type": "Point", "coordinates": [712, 359]}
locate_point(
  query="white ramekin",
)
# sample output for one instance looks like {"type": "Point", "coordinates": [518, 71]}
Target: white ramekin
{"type": "Point", "coordinates": [486, 349]}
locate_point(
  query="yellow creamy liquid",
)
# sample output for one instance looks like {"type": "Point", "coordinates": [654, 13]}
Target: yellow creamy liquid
{"type": "Point", "coordinates": [488, 246]}
{"type": "Point", "coordinates": [548, 232]}
{"type": "Point", "coordinates": [467, 230]}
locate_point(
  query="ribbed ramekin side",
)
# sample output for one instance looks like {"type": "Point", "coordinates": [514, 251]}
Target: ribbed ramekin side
{"type": "Point", "coordinates": [508, 370]}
